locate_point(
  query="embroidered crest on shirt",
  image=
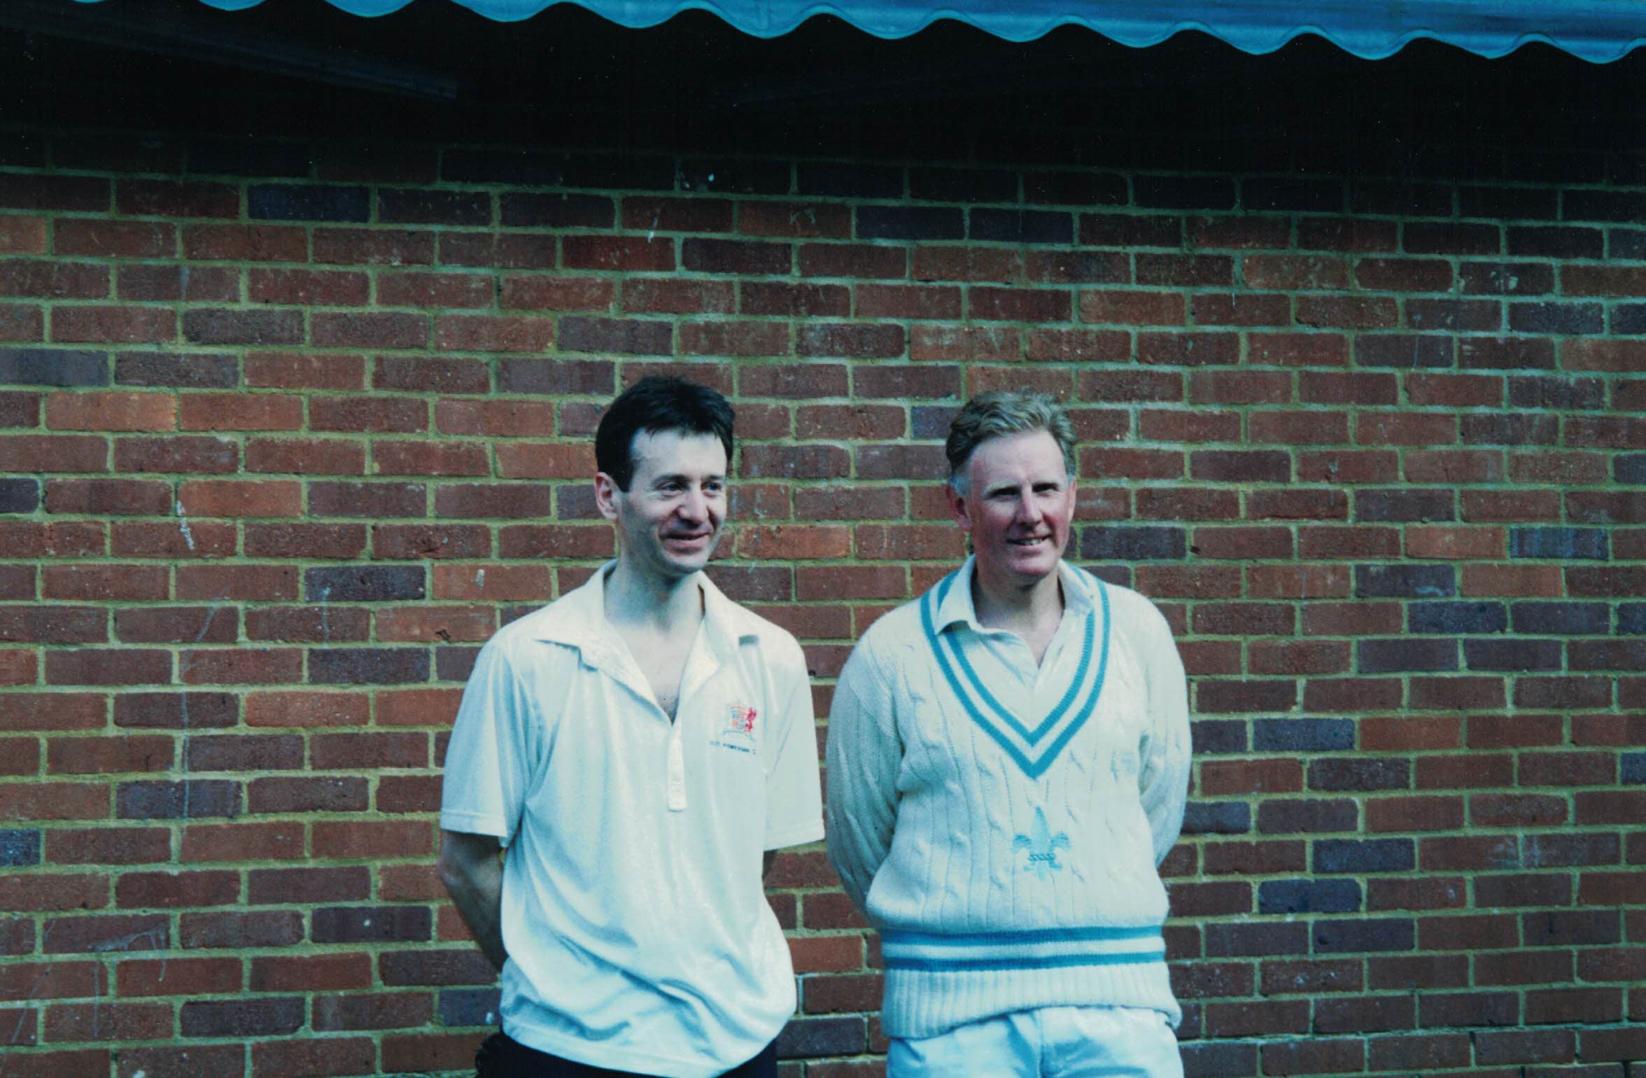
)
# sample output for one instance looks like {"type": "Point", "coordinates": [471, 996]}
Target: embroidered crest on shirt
{"type": "Point", "coordinates": [738, 730]}
{"type": "Point", "coordinates": [1042, 846]}
{"type": "Point", "coordinates": [1032, 743]}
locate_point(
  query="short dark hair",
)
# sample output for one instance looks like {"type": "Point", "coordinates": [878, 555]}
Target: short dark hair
{"type": "Point", "coordinates": [658, 403]}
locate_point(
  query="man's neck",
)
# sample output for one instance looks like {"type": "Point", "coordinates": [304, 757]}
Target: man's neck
{"type": "Point", "coordinates": [663, 605]}
{"type": "Point", "coordinates": [1027, 611]}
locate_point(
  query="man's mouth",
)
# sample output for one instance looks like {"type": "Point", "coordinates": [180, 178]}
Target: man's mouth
{"type": "Point", "coordinates": [1032, 541]}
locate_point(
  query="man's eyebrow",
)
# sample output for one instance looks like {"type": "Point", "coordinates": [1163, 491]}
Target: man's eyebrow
{"type": "Point", "coordinates": [681, 477]}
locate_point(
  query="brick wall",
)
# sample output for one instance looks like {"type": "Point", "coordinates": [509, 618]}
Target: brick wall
{"type": "Point", "coordinates": [287, 430]}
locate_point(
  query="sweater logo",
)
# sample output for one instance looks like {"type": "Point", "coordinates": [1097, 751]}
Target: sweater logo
{"type": "Point", "coordinates": [740, 721]}
{"type": "Point", "coordinates": [1042, 846]}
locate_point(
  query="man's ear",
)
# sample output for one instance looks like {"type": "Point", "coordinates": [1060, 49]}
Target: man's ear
{"type": "Point", "coordinates": [957, 507]}
{"type": "Point", "coordinates": [605, 495]}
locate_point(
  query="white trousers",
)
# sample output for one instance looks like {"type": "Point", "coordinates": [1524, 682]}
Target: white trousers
{"type": "Point", "coordinates": [1050, 1042]}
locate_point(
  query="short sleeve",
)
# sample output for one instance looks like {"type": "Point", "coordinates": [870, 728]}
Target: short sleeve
{"type": "Point", "coordinates": [488, 759]}
{"type": "Point", "coordinates": [794, 800]}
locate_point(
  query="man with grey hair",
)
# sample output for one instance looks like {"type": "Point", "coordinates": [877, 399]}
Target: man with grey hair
{"type": "Point", "coordinates": [1008, 760]}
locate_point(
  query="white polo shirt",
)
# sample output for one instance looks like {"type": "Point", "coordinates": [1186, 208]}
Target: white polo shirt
{"type": "Point", "coordinates": [638, 932]}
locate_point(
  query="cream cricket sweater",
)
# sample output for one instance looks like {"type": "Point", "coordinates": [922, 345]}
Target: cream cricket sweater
{"type": "Point", "coordinates": [1001, 822]}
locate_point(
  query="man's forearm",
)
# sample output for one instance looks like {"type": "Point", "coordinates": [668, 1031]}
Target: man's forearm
{"type": "Point", "coordinates": [473, 876]}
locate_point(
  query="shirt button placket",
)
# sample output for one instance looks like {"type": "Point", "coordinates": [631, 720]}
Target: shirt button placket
{"type": "Point", "coordinates": [677, 767]}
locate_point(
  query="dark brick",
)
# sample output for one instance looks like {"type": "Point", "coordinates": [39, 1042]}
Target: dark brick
{"type": "Point", "coordinates": [298, 202]}
{"type": "Point", "coordinates": [19, 848]}
{"type": "Point", "coordinates": [628, 336]}
{"type": "Point", "coordinates": [735, 256]}
{"type": "Point", "coordinates": [247, 157]}
{"type": "Point", "coordinates": [367, 500]}
{"type": "Point", "coordinates": [264, 1017]}
{"type": "Point", "coordinates": [19, 495]}
{"type": "Point", "coordinates": [1400, 655]}
{"type": "Point", "coordinates": [176, 710]}
{"type": "Point", "coordinates": [1308, 896]}
{"type": "Point", "coordinates": [1512, 654]}
{"type": "Point", "coordinates": [811, 1037]}
{"type": "Point", "coordinates": [1113, 543]}
{"type": "Point", "coordinates": [1359, 774]}
{"type": "Point", "coordinates": [1557, 392]}
{"type": "Point", "coordinates": [1561, 618]}
{"type": "Point", "coordinates": [1346, 937]}
{"type": "Point", "coordinates": [1565, 319]}
{"type": "Point", "coordinates": [737, 176]}
{"type": "Point", "coordinates": [368, 666]}
{"type": "Point", "coordinates": [370, 924]}
{"type": "Point", "coordinates": [1629, 318]}
{"type": "Point", "coordinates": [962, 185]}
{"type": "Point", "coordinates": [175, 371]}
{"type": "Point", "coordinates": [1021, 226]}
{"type": "Point", "coordinates": [1630, 468]}
{"type": "Point", "coordinates": [850, 180]}
{"type": "Point", "coordinates": [909, 223]}
{"type": "Point", "coordinates": [1292, 193]}
{"type": "Point", "coordinates": [1403, 350]}
{"type": "Point", "coordinates": [557, 211]}
{"type": "Point", "coordinates": [1364, 855]}
{"type": "Point", "coordinates": [44, 367]}
{"type": "Point", "coordinates": [185, 800]}
{"type": "Point", "coordinates": [1404, 581]}
{"type": "Point", "coordinates": [363, 583]}
{"type": "Point", "coordinates": [1218, 736]}
{"type": "Point", "coordinates": [1631, 619]}
{"type": "Point", "coordinates": [1633, 767]}
{"type": "Point", "coordinates": [1460, 617]}
{"type": "Point", "coordinates": [503, 166]}
{"type": "Point", "coordinates": [1303, 735]}
{"type": "Point", "coordinates": [1566, 543]}
{"type": "Point", "coordinates": [1405, 505]}
{"type": "Point", "coordinates": [469, 1007]}
{"type": "Point", "coordinates": [417, 205]}
{"type": "Point", "coordinates": [1217, 818]}
{"type": "Point", "coordinates": [1515, 429]}
{"type": "Point", "coordinates": [1184, 192]}
{"type": "Point", "coordinates": [1603, 206]}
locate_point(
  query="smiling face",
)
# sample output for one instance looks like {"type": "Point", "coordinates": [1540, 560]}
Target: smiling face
{"type": "Point", "coordinates": [1017, 508]}
{"type": "Point", "coordinates": [670, 518]}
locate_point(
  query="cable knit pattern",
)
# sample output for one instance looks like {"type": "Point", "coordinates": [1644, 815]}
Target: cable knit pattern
{"type": "Point", "coordinates": [1001, 821]}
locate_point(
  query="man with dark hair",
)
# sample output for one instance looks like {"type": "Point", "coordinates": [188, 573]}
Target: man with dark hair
{"type": "Point", "coordinates": [1008, 764]}
{"type": "Point", "coordinates": [622, 760]}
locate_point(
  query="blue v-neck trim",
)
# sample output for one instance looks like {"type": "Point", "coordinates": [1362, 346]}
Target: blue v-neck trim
{"type": "Point", "coordinates": [1033, 766]}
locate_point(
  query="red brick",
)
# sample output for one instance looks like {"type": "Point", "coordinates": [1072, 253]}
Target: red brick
{"type": "Point", "coordinates": [299, 708]}
{"type": "Point", "coordinates": [178, 976]}
{"type": "Point", "coordinates": [242, 842]}
{"type": "Point", "coordinates": [372, 839]}
{"type": "Point", "coordinates": [103, 1021]}
{"type": "Point", "coordinates": [240, 411]}
{"type": "Point", "coordinates": [22, 235]}
{"type": "Point", "coordinates": [127, 325]}
{"type": "Point", "coordinates": [480, 582]}
{"type": "Point", "coordinates": [57, 280]}
{"type": "Point", "coordinates": [245, 243]}
{"type": "Point", "coordinates": [240, 498]}
{"type": "Point", "coordinates": [286, 370]}
{"type": "Point", "coordinates": [111, 411]}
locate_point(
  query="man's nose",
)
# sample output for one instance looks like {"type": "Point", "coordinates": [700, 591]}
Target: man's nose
{"type": "Point", "coordinates": [695, 505]}
{"type": "Point", "coordinates": [1028, 509]}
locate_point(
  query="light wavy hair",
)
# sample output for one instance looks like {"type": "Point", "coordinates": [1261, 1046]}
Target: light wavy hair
{"type": "Point", "coordinates": [994, 415]}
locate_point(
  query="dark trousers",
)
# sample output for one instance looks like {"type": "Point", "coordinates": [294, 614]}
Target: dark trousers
{"type": "Point", "coordinates": [501, 1056]}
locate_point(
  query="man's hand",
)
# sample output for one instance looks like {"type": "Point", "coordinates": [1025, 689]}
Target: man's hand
{"type": "Point", "coordinates": [473, 874]}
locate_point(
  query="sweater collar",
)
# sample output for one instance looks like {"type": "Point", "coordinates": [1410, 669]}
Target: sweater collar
{"type": "Point", "coordinates": [957, 607]}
